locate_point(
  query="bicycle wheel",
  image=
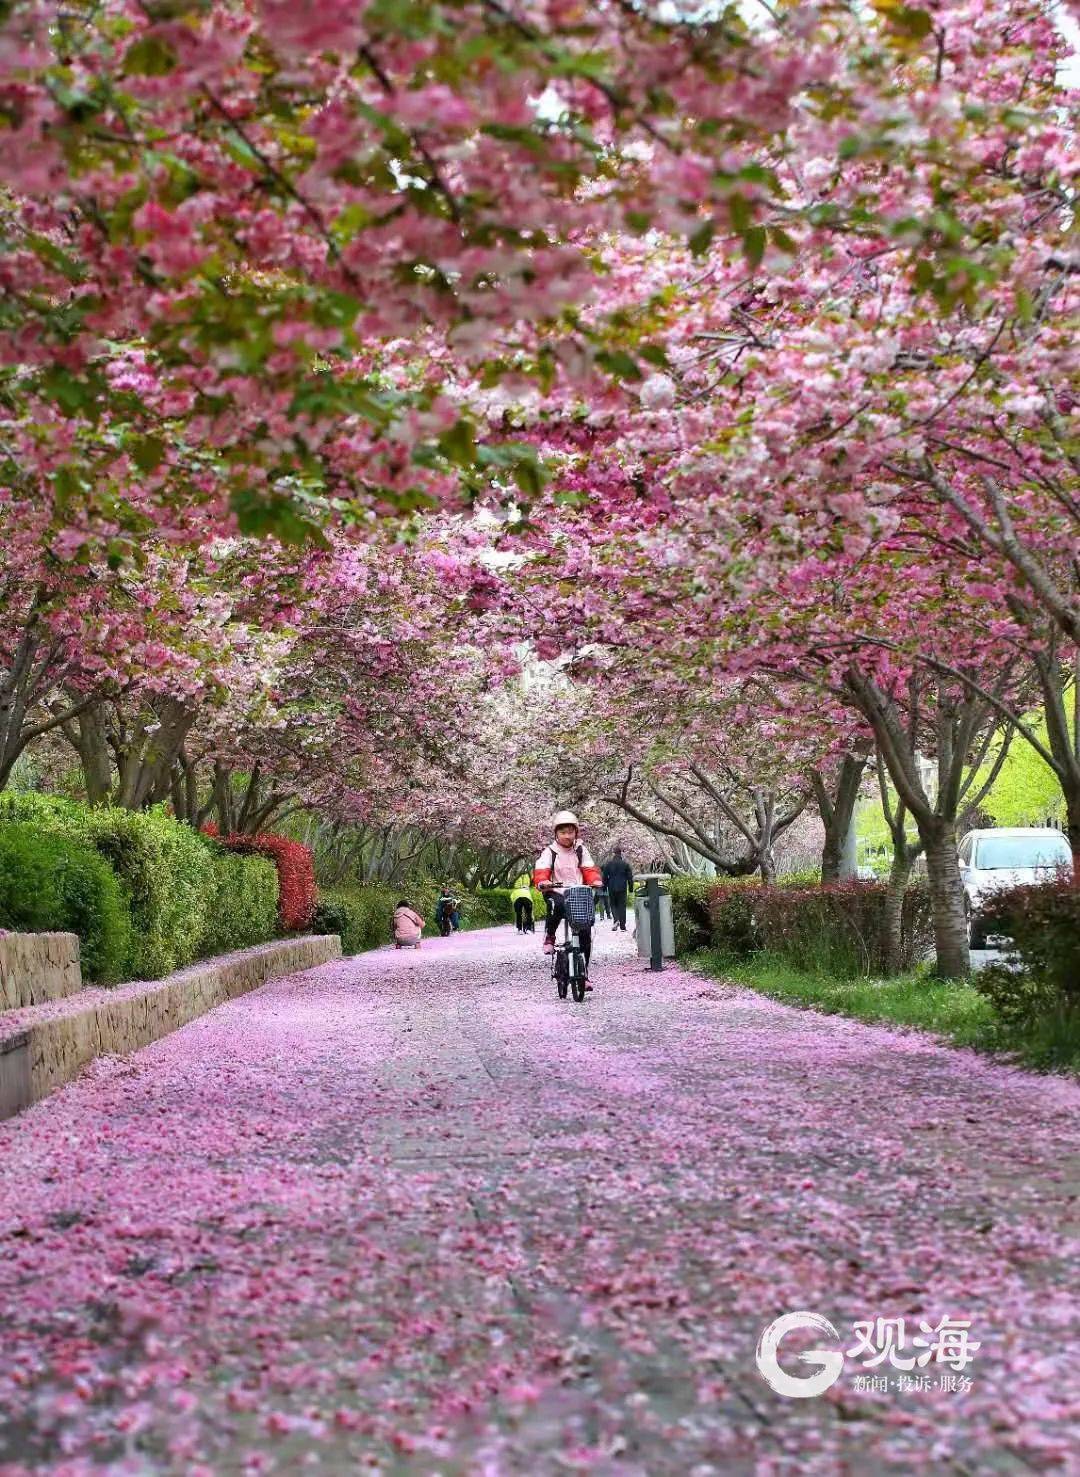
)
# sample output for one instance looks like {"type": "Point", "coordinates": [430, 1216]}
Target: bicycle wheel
{"type": "Point", "coordinates": [561, 971]}
{"type": "Point", "coordinates": [578, 975]}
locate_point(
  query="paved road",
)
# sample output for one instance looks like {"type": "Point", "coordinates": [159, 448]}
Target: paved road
{"type": "Point", "coordinates": [411, 1214]}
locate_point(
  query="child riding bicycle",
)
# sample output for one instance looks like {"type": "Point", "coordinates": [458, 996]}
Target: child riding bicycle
{"type": "Point", "coordinates": [565, 863]}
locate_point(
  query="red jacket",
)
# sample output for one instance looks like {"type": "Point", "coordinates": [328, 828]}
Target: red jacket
{"type": "Point", "coordinates": [565, 866]}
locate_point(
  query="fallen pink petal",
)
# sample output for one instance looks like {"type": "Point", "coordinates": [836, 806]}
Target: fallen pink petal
{"type": "Point", "coordinates": [410, 1212]}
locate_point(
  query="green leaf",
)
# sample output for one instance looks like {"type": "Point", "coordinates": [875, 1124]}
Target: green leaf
{"type": "Point", "coordinates": [241, 152]}
{"type": "Point", "coordinates": [910, 22]}
{"type": "Point", "coordinates": [412, 18]}
{"type": "Point", "coordinates": [48, 251]}
{"type": "Point", "coordinates": [529, 476]}
{"type": "Point", "coordinates": [741, 214]}
{"type": "Point", "coordinates": [275, 516]}
{"type": "Point", "coordinates": [148, 452]}
{"type": "Point", "coordinates": [149, 57]}
{"type": "Point", "coordinates": [72, 394]}
{"type": "Point", "coordinates": [757, 174]}
{"type": "Point", "coordinates": [701, 240]}
{"type": "Point", "coordinates": [924, 275]}
{"type": "Point", "coordinates": [907, 225]}
{"type": "Point", "coordinates": [754, 245]}
{"type": "Point", "coordinates": [528, 138]}
{"type": "Point", "coordinates": [67, 486]}
{"type": "Point", "coordinates": [619, 364]}
{"type": "Point", "coordinates": [458, 444]}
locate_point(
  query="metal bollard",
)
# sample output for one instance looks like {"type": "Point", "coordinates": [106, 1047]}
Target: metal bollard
{"type": "Point", "coordinates": [652, 894]}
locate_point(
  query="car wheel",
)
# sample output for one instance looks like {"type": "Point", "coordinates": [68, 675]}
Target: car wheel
{"type": "Point", "coordinates": [976, 931]}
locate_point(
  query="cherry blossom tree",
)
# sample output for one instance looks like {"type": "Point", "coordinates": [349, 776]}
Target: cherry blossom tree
{"type": "Point", "coordinates": [751, 341]}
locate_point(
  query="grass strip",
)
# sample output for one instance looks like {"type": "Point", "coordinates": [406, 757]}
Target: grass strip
{"type": "Point", "coordinates": [953, 1011]}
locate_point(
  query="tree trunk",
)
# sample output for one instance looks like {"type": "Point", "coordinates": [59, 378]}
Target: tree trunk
{"type": "Point", "coordinates": [223, 799]}
{"type": "Point", "coordinates": [836, 810]}
{"type": "Point", "coordinates": [947, 901]}
{"type": "Point", "coordinates": [1055, 678]}
{"type": "Point", "coordinates": [250, 802]}
{"type": "Point", "coordinates": [185, 792]}
{"type": "Point", "coordinates": [145, 762]}
{"type": "Point", "coordinates": [830, 858]}
{"type": "Point", "coordinates": [899, 876]}
{"type": "Point", "coordinates": [88, 736]}
{"type": "Point", "coordinates": [1072, 827]}
{"type": "Point", "coordinates": [179, 794]}
{"type": "Point", "coordinates": [191, 792]}
{"type": "Point", "coordinates": [958, 754]}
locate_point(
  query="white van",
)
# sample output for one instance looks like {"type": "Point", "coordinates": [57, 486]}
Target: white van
{"type": "Point", "coordinates": [1011, 856]}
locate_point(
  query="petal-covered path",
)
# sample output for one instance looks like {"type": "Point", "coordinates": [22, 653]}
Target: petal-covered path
{"type": "Point", "coordinates": [409, 1213]}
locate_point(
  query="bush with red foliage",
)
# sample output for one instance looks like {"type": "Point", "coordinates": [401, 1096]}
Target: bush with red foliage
{"type": "Point", "coordinates": [1043, 921]}
{"type": "Point", "coordinates": [295, 864]}
{"type": "Point", "coordinates": [839, 927]}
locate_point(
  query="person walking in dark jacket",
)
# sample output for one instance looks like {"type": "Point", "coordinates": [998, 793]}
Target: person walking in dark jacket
{"type": "Point", "coordinates": [618, 879]}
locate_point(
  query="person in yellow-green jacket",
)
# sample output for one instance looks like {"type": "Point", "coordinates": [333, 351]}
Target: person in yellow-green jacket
{"type": "Point", "coordinates": [521, 897]}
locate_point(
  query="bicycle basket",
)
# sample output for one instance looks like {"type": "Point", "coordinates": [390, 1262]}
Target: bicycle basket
{"type": "Point", "coordinates": [580, 904]}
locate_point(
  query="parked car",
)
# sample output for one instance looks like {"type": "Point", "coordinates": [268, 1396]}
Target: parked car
{"type": "Point", "coordinates": [1009, 856]}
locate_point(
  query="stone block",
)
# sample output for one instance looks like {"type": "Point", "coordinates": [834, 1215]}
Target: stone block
{"type": "Point", "coordinates": [14, 1074]}
{"type": "Point", "coordinates": [36, 967]}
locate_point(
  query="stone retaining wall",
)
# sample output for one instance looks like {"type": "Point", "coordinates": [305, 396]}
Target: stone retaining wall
{"type": "Point", "coordinates": [43, 1047]}
{"type": "Point", "coordinates": [35, 967]}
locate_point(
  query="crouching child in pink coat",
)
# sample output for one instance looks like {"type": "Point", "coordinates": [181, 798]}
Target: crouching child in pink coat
{"type": "Point", "coordinates": [408, 925]}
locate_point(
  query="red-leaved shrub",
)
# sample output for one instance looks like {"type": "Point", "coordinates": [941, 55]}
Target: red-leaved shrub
{"type": "Point", "coordinates": [295, 864]}
{"type": "Point", "coordinates": [1043, 922]}
{"type": "Point", "coordinates": [733, 926]}
{"type": "Point", "coordinates": [840, 927]}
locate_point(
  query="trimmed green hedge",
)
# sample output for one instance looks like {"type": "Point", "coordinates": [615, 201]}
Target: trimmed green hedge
{"type": "Point", "coordinates": [1043, 922]}
{"type": "Point", "coordinates": [165, 869]}
{"type": "Point", "coordinates": [733, 926]}
{"type": "Point", "coordinates": [489, 907]}
{"type": "Point", "coordinates": [690, 912]}
{"type": "Point", "coordinates": [841, 927]}
{"type": "Point", "coordinates": [362, 914]}
{"type": "Point", "coordinates": [185, 895]}
{"type": "Point", "coordinates": [54, 884]}
{"type": "Point", "coordinates": [244, 908]}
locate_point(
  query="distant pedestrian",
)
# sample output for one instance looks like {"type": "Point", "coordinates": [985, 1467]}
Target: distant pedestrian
{"type": "Point", "coordinates": [603, 904]}
{"type": "Point", "coordinates": [448, 910]}
{"type": "Point", "coordinates": [522, 899]}
{"type": "Point", "coordinates": [618, 879]}
{"type": "Point", "coordinates": [408, 926]}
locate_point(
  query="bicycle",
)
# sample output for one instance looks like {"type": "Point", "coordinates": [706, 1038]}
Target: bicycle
{"type": "Point", "coordinates": [569, 966]}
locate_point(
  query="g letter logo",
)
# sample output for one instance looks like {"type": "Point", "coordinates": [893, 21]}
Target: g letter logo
{"type": "Point", "coordinates": [829, 1362]}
